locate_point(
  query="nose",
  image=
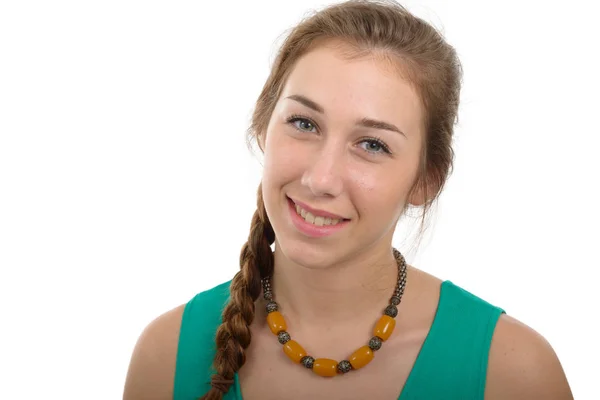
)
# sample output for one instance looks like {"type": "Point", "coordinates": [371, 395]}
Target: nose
{"type": "Point", "coordinates": [324, 172]}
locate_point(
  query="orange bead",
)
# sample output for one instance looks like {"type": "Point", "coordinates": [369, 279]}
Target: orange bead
{"type": "Point", "coordinates": [361, 357]}
{"type": "Point", "coordinates": [384, 328]}
{"type": "Point", "coordinates": [294, 351]}
{"type": "Point", "coordinates": [325, 367]}
{"type": "Point", "coordinates": [276, 322]}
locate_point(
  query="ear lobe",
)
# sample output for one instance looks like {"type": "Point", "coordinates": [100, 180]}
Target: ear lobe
{"type": "Point", "coordinates": [261, 141]}
{"type": "Point", "coordinates": [418, 197]}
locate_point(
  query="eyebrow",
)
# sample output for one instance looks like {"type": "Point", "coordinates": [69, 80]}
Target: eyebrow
{"type": "Point", "coordinates": [365, 122]}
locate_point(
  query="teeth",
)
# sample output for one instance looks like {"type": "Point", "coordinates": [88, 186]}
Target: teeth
{"type": "Point", "coordinates": [319, 221]}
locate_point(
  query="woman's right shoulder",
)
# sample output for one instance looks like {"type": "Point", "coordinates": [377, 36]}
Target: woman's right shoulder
{"type": "Point", "coordinates": [151, 373]}
{"type": "Point", "coordinates": [151, 370]}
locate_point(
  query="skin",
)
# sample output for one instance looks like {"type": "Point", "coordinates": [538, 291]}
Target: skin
{"type": "Point", "coordinates": [332, 289]}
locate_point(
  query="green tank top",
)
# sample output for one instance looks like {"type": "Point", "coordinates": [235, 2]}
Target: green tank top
{"type": "Point", "coordinates": [452, 363]}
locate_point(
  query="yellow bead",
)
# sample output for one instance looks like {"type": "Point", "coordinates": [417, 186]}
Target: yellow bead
{"type": "Point", "coordinates": [361, 357]}
{"type": "Point", "coordinates": [384, 328]}
{"type": "Point", "coordinates": [325, 367]}
{"type": "Point", "coordinates": [276, 322]}
{"type": "Point", "coordinates": [294, 351]}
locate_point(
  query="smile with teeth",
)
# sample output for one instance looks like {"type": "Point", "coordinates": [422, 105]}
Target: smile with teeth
{"type": "Point", "coordinates": [312, 219]}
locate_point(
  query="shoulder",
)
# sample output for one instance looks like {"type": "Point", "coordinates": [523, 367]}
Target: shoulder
{"type": "Point", "coordinates": [151, 374]}
{"type": "Point", "coordinates": [152, 368]}
{"type": "Point", "coordinates": [523, 365]}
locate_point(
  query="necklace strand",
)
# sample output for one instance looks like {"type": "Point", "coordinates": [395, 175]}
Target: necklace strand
{"type": "Point", "coordinates": [324, 366]}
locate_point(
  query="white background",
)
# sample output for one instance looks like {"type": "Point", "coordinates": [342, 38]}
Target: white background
{"type": "Point", "coordinates": [126, 186]}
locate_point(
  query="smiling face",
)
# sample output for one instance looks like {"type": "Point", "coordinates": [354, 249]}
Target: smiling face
{"type": "Point", "coordinates": [343, 141]}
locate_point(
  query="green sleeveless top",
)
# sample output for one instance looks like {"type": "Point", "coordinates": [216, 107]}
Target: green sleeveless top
{"type": "Point", "coordinates": [452, 363]}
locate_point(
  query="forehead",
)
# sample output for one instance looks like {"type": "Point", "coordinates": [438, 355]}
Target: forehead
{"type": "Point", "coordinates": [366, 86]}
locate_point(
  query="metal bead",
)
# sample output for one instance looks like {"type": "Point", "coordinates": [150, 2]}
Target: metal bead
{"type": "Point", "coordinates": [272, 306]}
{"type": "Point", "coordinates": [344, 366]}
{"type": "Point", "coordinates": [283, 337]}
{"type": "Point", "coordinates": [391, 310]}
{"type": "Point", "coordinates": [375, 343]}
{"type": "Point", "coordinates": [395, 300]}
{"type": "Point", "coordinates": [307, 361]}
{"type": "Point", "coordinates": [266, 284]}
{"type": "Point", "coordinates": [268, 295]}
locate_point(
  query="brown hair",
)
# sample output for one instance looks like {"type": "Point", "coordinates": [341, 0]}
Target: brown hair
{"type": "Point", "coordinates": [371, 28]}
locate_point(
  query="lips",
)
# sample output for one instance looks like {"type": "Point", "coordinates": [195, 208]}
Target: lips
{"type": "Point", "coordinates": [316, 212]}
{"type": "Point", "coordinates": [310, 229]}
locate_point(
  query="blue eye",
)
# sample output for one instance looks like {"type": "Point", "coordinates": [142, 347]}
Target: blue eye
{"type": "Point", "coordinates": [300, 123]}
{"type": "Point", "coordinates": [375, 146]}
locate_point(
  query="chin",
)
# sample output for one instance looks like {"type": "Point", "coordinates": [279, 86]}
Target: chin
{"type": "Point", "coordinates": [311, 256]}
{"type": "Point", "coordinates": [311, 253]}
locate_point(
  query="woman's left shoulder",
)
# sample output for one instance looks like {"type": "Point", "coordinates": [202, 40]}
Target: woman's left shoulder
{"type": "Point", "coordinates": [523, 365]}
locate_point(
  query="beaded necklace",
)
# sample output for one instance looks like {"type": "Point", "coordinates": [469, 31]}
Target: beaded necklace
{"type": "Point", "coordinates": [324, 366]}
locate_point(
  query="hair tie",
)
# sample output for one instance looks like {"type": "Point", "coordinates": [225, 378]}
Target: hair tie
{"type": "Point", "coordinates": [220, 383]}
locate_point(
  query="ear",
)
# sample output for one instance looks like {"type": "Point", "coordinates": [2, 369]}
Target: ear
{"type": "Point", "coordinates": [261, 140]}
{"type": "Point", "coordinates": [419, 196]}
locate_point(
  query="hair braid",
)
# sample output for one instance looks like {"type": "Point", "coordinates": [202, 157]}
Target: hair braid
{"type": "Point", "coordinates": [233, 335]}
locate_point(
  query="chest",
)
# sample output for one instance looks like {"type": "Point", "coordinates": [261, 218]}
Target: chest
{"type": "Point", "coordinates": [269, 374]}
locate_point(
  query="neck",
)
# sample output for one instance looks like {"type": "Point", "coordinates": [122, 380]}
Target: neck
{"type": "Point", "coordinates": [337, 295]}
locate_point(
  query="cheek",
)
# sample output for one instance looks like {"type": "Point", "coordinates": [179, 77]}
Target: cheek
{"type": "Point", "coordinates": [380, 194]}
{"type": "Point", "coordinates": [282, 158]}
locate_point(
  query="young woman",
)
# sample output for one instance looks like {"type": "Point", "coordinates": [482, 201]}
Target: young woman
{"type": "Point", "coordinates": [355, 122]}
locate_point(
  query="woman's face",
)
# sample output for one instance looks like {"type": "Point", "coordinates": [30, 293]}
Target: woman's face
{"type": "Point", "coordinates": [343, 142]}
